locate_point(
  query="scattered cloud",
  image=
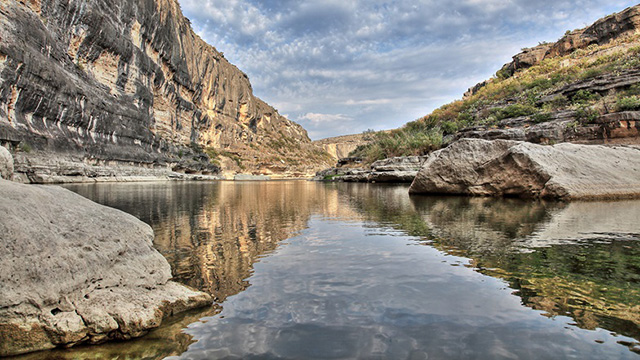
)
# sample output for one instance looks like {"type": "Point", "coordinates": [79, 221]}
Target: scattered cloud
{"type": "Point", "coordinates": [316, 118]}
{"type": "Point", "coordinates": [340, 67]}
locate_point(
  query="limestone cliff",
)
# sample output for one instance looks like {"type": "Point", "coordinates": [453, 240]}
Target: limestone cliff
{"type": "Point", "coordinates": [340, 147]}
{"type": "Point", "coordinates": [603, 31]}
{"type": "Point", "coordinates": [111, 82]}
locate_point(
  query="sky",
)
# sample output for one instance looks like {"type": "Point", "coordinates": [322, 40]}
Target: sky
{"type": "Point", "coordinates": [341, 67]}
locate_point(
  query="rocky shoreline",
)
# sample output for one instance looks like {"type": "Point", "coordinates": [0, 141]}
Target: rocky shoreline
{"type": "Point", "coordinates": [521, 169]}
{"type": "Point", "coordinates": [402, 169]}
{"type": "Point", "coordinates": [38, 168]}
{"type": "Point", "coordinates": [73, 271]}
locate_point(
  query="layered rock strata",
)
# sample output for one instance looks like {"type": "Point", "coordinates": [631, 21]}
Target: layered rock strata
{"type": "Point", "coordinates": [42, 168]}
{"type": "Point", "coordinates": [617, 25]}
{"type": "Point", "coordinates": [614, 128]}
{"type": "Point", "coordinates": [73, 271]}
{"type": "Point", "coordinates": [129, 82]}
{"type": "Point", "coordinates": [402, 169]}
{"type": "Point", "coordinates": [510, 168]}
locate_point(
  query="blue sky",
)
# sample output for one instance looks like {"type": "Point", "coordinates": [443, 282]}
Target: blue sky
{"type": "Point", "coordinates": [344, 66]}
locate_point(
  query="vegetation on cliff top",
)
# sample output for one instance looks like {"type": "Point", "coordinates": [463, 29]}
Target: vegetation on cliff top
{"type": "Point", "coordinates": [526, 93]}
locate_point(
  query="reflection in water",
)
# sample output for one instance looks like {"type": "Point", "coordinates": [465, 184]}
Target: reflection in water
{"type": "Point", "coordinates": [346, 284]}
{"type": "Point", "coordinates": [580, 259]}
{"type": "Point", "coordinates": [212, 233]}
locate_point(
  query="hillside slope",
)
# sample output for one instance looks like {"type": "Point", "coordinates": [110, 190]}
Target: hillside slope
{"type": "Point", "coordinates": [112, 82]}
{"type": "Point", "coordinates": [584, 88]}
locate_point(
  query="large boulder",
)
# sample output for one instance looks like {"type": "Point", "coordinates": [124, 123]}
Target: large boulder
{"type": "Point", "coordinates": [512, 168]}
{"type": "Point", "coordinates": [73, 271]}
{"type": "Point", "coordinates": [6, 164]}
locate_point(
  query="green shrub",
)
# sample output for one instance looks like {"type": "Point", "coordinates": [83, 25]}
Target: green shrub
{"type": "Point", "coordinates": [591, 73]}
{"type": "Point", "coordinates": [449, 127]}
{"type": "Point", "coordinates": [513, 111]}
{"type": "Point", "coordinates": [464, 119]}
{"type": "Point", "coordinates": [25, 147]}
{"type": "Point", "coordinates": [558, 102]}
{"type": "Point", "coordinates": [415, 138]}
{"type": "Point", "coordinates": [586, 115]}
{"type": "Point", "coordinates": [584, 97]}
{"type": "Point", "coordinates": [540, 84]}
{"type": "Point", "coordinates": [212, 153]}
{"type": "Point", "coordinates": [628, 103]}
{"type": "Point", "coordinates": [195, 147]}
{"type": "Point", "coordinates": [573, 125]}
{"type": "Point", "coordinates": [541, 117]}
{"type": "Point", "coordinates": [632, 90]}
{"type": "Point", "coordinates": [503, 73]}
{"type": "Point", "coordinates": [233, 157]}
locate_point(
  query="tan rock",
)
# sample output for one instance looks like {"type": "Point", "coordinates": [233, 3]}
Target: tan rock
{"type": "Point", "coordinates": [340, 147]}
{"type": "Point", "coordinates": [140, 88]}
{"type": "Point", "coordinates": [73, 271]}
{"type": "Point", "coordinates": [511, 168]}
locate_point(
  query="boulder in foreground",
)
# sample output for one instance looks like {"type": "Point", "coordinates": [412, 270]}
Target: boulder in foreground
{"type": "Point", "coordinates": [73, 271]}
{"type": "Point", "coordinates": [521, 169]}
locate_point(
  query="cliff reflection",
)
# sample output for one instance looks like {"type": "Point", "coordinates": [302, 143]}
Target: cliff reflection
{"type": "Point", "coordinates": [578, 259]}
{"type": "Point", "coordinates": [212, 233]}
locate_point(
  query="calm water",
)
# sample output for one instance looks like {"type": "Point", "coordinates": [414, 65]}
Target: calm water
{"type": "Point", "coordinates": [305, 270]}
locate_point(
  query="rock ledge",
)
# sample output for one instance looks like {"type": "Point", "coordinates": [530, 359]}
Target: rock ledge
{"type": "Point", "coordinates": [512, 168]}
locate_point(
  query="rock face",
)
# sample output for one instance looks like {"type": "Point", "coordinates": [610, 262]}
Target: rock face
{"type": "Point", "coordinates": [6, 164]}
{"type": "Point", "coordinates": [602, 31]}
{"type": "Point", "coordinates": [511, 168]}
{"type": "Point", "coordinates": [41, 168]}
{"type": "Point", "coordinates": [73, 271]}
{"type": "Point", "coordinates": [245, 177]}
{"type": "Point", "coordinates": [614, 128]}
{"type": "Point", "coordinates": [340, 147]}
{"type": "Point", "coordinates": [129, 82]}
{"type": "Point", "coordinates": [402, 169]}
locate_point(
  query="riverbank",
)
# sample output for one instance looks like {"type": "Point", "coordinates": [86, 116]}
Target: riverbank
{"type": "Point", "coordinates": [39, 168]}
{"type": "Point", "coordinates": [73, 271]}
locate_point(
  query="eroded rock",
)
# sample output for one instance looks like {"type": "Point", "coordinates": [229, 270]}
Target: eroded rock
{"type": "Point", "coordinates": [401, 169]}
{"type": "Point", "coordinates": [512, 168]}
{"type": "Point", "coordinates": [73, 271]}
{"type": "Point", "coordinates": [6, 164]}
{"type": "Point", "coordinates": [130, 82]}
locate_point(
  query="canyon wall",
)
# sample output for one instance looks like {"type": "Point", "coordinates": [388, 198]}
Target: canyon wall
{"type": "Point", "coordinates": [340, 147]}
{"type": "Point", "coordinates": [111, 82]}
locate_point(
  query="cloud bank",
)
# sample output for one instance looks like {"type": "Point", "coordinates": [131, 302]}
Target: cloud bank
{"type": "Point", "coordinates": [344, 66]}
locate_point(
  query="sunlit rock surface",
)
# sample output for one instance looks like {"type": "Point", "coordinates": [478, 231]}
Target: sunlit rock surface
{"type": "Point", "coordinates": [73, 271]}
{"type": "Point", "coordinates": [115, 82]}
{"type": "Point", "coordinates": [508, 168]}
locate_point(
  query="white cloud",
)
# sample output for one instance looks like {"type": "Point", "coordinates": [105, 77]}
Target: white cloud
{"type": "Point", "coordinates": [375, 63]}
{"type": "Point", "coordinates": [316, 118]}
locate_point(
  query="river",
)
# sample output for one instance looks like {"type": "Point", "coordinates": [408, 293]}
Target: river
{"type": "Point", "coordinates": [306, 270]}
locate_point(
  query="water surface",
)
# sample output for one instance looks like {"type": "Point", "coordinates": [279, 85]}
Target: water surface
{"type": "Point", "coordinates": [306, 270]}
